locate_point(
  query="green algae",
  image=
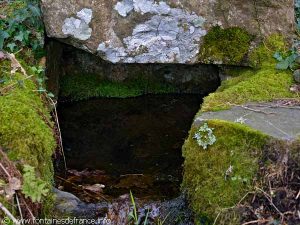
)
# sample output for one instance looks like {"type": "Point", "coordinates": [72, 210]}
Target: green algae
{"type": "Point", "coordinates": [80, 87]}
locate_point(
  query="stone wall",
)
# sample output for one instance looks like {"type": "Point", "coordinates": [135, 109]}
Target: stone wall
{"type": "Point", "coordinates": [170, 31]}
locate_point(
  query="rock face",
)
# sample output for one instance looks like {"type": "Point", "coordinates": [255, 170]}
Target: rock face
{"type": "Point", "coordinates": [276, 120]}
{"type": "Point", "coordinates": [151, 31]}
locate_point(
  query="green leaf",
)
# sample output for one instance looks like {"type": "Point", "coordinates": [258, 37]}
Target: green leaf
{"type": "Point", "coordinates": [283, 65]}
{"type": "Point", "coordinates": [3, 35]}
{"type": "Point", "coordinates": [50, 95]}
{"type": "Point", "coordinates": [19, 37]}
{"type": "Point", "coordinates": [35, 10]}
{"type": "Point", "coordinates": [33, 187]}
{"type": "Point", "coordinates": [278, 56]}
{"type": "Point", "coordinates": [11, 46]}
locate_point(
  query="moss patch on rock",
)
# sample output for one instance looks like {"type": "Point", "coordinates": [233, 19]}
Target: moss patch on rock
{"type": "Point", "coordinates": [209, 190]}
{"type": "Point", "coordinates": [226, 46]}
{"type": "Point", "coordinates": [26, 128]}
{"type": "Point", "coordinates": [80, 87]}
{"type": "Point", "coordinates": [264, 83]}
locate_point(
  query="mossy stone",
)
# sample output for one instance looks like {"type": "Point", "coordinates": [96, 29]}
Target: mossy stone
{"type": "Point", "coordinates": [208, 188]}
{"type": "Point", "coordinates": [265, 83]}
{"type": "Point", "coordinates": [297, 76]}
{"type": "Point", "coordinates": [26, 130]}
{"type": "Point", "coordinates": [225, 46]}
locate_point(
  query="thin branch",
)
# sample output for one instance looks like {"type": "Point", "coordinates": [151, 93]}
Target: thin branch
{"type": "Point", "coordinates": [225, 209]}
{"type": "Point", "coordinates": [5, 171]}
{"type": "Point", "coordinates": [19, 207]}
{"type": "Point", "coordinates": [255, 110]}
{"type": "Point", "coordinates": [256, 221]}
{"type": "Point", "coordinates": [5, 210]}
{"type": "Point", "coordinates": [271, 202]}
{"type": "Point", "coordinates": [59, 131]}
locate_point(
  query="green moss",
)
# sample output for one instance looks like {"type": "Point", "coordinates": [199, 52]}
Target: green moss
{"type": "Point", "coordinates": [204, 170]}
{"type": "Point", "coordinates": [26, 127]}
{"type": "Point", "coordinates": [79, 87]}
{"type": "Point", "coordinates": [263, 85]}
{"type": "Point", "coordinates": [254, 85]}
{"type": "Point", "coordinates": [262, 56]}
{"type": "Point", "coordinates": [228, 46]}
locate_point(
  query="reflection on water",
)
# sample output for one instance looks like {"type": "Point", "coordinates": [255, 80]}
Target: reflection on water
{"type": "Point", "coordinates": [134, 143]}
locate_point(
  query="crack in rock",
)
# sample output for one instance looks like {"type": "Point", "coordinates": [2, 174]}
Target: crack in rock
{"type": "Point", "coordinates": [171, 35]}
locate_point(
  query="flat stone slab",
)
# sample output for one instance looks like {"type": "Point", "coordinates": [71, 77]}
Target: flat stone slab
{"type": "Point", "coordinates": [278, 121]}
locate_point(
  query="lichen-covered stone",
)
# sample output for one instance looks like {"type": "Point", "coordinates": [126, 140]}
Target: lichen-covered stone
{"type": "Point", "coordinates": [164, 31]}
{"type": "Point", "coordinates": [79, 27]}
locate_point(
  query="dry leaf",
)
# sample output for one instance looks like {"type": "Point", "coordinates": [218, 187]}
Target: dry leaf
{"type": "Point", "coordinates": [2, 56]}
{"type": "Point", "coordinates": [13, 186]}
{"type": "Point", "coordinates": [94, 188]}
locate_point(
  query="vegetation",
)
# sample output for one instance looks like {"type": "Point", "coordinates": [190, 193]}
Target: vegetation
{"type": "Point", "coordinates": [22, 26]}
{"type": "Point", "coordinates": [225, 46]}
{"type": "Point", "coordinates": [79, 87]}
{"type": "Point", "coordinates": [205, 136]}
{"type": "Point", "coordinates": [26, 128]}
{"type": "Point", "coordinates": [33, 187]}
{"type": "Point", "coordinates": [221, 175]}
{"type": "Point", "coordinates": [265, 83]}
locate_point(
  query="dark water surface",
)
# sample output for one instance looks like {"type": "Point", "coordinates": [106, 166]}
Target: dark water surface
{"type": "Point", "coordinates": [134, 142]}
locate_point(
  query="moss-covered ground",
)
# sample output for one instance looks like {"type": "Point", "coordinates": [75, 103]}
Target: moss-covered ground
{"type": "Point", "coordinates": [263, 83]}
{"type": "Point", "coordinates": [80, 87]}
{"type": "Point", "coordinates": [26, 129]}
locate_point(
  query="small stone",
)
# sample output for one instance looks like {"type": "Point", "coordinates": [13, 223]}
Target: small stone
{"type": "Point", "coordinates": [297, 60]}
{"type": "Point", "coordinates": [297, 75]}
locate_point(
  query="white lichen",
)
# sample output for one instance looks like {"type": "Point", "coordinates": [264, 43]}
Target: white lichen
{"type": "Point", "coordinates": [79, 27]}
{"type": "Point", "coordinates": [170, 35]}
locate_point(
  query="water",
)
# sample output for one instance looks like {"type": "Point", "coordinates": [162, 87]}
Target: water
{"type": "Point", "coordinates": [126, 144]}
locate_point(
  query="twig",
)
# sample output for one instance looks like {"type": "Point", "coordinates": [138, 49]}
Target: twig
{"type": "Point", "coordinates": [256, 221]}
{"type": "Point", "coordinates": [298, 195]}
{"type": "Point", "coordinates": [19, 207]}
{"type": "Point", "coordinates": [5, 210]}
{"type": "Point", "coordinates": [232, 207]}
{"type": "Point", "coordinates": [28, 209]}
{"type": "Point", "coordinates": [255, 110]}
{"type": "Point", "coordinates": [5, 171]}
{"type": "Point", "coordinates": [59, 131]}
{"type": "Point", "coordinates": [80, 189]}
{"type": "Point", "coordinates": [14, 84]}
{"type": "Point", "coordinates": [271, 202]}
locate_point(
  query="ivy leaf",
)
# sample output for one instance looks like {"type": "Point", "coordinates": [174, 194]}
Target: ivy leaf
{"type": "Point", "coordinates": [11, 46]}
{"type": "Point", "coordinates": [278, 56]}
{"type": "Point", "coordinates": [35, 10]}
{"type": "Point", "coordinates": [50, 95]}
{"type": "Point", "coordinates": [3, 35]}
{"type": "Point", "coordinates": [19, 37]}
{"type": "Point", "coordinates": [283, 65]}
